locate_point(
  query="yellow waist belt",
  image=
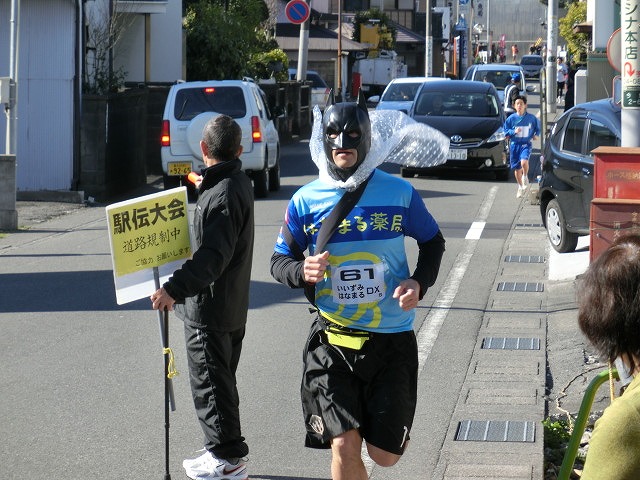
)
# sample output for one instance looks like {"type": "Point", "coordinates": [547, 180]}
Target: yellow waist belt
{"type": "Point", "coordinates": [344, 337]}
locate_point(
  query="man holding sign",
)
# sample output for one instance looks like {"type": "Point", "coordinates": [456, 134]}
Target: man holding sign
{"type": "Point", "coordinates": [210, 293]}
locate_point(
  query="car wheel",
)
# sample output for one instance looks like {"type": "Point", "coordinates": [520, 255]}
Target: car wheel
{"type": "Point", "coordinates": [261, 183]}
{"type": "Point", "coordinates": [503, 175]}
{"type": "Point", "coordinates": [408, 172]}
{"type": "Point", "coordinates": [274, 176]}
{"type": "Point", "coordinates": [561, 240]}
{"type": "Point", "coordinates": [170, 182]}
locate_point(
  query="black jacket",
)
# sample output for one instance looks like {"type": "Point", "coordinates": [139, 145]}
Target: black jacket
{"type": "Point", "coordinates": [214, 283]}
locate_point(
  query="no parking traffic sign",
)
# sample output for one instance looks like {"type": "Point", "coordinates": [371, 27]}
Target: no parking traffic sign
{"type": "Point", "coordinates": [297, 11]}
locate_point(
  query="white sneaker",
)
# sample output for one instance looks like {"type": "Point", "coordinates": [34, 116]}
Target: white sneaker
{"type": "Point", "coordinates": [209, 467]}
{"type": "Point", "coordinates": [525, 181]}
{"type": "Point", "coordinates": [520, 192]}
{"type": "Point", "coordinates": [189, 463]}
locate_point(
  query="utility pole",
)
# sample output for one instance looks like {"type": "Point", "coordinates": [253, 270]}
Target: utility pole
{"type": "Point", "coordinates": [428, 46]}
{"type": "Point", "coordinates": [8, 164]}
{"type": "Point", "coordinates": [630, 63]}
{"type": "Point", "coordinates": [11, 107]}
{"type": "Point", "coordinates": [339, 99]}
{"type": "Point", "coordinates": [552, 47]}
{"type": "Point", "coordinates": [487, 12]}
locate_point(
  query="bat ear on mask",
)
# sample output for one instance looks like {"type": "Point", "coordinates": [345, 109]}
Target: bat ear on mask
{"type": "Point", "coordinates": [330, 99]}
{"type": "Point", "coordinates": [362, 101]}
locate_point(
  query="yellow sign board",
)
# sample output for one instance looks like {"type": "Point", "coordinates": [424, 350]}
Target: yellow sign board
{"type": "Point", "coordinates": [149, 231]}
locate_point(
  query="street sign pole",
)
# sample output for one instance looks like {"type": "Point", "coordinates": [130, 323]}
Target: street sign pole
{"type": "Point", "coordinates": [428, 48]}
{"type": "Point", "coordinates": [299, 12]}
{"type": "Point", "coordinates": [552, 42]}
{"type": "Point", "coordinates": [630, 63]}
{"type": "Point", "coordinates": [169, 400]}
{"type": "Point", "coordinates": [11, 110]}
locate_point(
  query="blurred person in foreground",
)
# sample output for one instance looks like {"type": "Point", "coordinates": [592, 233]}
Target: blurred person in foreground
{"type": "Point", "coordinates": [360, 359]}
{"type": "Point", "coordinates": [609, 316]}
{"type": "Point", "coordinates": [210, 293]}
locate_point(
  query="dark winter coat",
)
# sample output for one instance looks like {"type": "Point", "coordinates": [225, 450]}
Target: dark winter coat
{"type": "Point", "coordinates": [214, 283]}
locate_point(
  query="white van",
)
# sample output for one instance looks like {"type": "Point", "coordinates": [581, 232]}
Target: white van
{"type": "Point", "coordinates": [400, 93]}
{"type": "Point", "coordinates": [319, 88]}
{"type": "Point", "coordinates": [190, 105]}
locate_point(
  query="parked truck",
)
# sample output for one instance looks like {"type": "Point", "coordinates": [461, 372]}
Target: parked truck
{"type": "Point", "coordinates": [372, 75]}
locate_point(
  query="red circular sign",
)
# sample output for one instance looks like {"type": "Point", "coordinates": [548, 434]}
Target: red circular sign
{"type": "Point", "coordinates": [297, 11]}
{"type": "Point", "coordinates": [614, 50]}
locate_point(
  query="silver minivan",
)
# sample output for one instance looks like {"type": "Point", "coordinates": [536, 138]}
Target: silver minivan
{"type": "Point", "coordinates": [499, 74]}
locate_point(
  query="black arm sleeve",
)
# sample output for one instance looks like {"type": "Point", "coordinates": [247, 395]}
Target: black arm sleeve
{"type": "Point", "coordinates": [287, 270]}
{"type": "Point", "coordinates": [429, 258]}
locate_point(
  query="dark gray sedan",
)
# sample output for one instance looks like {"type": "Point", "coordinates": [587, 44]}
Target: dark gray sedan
{"type": "Point", "coordinates": [470, 114]}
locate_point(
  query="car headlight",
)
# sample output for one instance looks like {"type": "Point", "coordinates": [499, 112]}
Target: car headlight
{"type": "Point", "coordinates": [498, 136]}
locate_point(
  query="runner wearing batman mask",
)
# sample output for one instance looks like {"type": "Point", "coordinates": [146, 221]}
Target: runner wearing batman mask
{"type": "Point", "coordinates": [360, 359]}
{"type": "Point", "coordinates": [346, 126]}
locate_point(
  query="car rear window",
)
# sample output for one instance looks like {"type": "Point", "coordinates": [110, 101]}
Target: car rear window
{"type": "Point", "coordinates": [601, 136]}
{"type": "Point", "coordinates": [574, 135]}
{"type": "Point", "coordinates": [457, 104]}
{"type": "Point", "coordinates": [316, 80]}
{"type": "Point", "coordinates": [399, 92]}
{"type": "Point", "coordinates": [531, 61]}
{"type": "Point", "coordinates": [191, 102]}
{"type": "Point", "coordinates": [499, 78]}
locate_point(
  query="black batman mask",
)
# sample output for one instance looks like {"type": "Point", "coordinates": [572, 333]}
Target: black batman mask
{"type": "Point", "coordinates": [346, 125]}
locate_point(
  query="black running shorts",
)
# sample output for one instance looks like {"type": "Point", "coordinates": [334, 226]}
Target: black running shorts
{"type": "Point", "coordinates": [373, 389]}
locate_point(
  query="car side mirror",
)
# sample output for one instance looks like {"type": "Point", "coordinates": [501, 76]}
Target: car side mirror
{"type": "Point", "coordinates": [374, 99]}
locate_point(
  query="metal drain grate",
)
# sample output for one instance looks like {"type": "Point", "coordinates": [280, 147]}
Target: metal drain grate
{"type": "Point", "coordinates": [506, 343]}
{"type": "Point", "coordinates": [520, 287]}
{"type": "Point", "coordinates": [524, 258]}
{"type": "Point", "coordinates": [495, 431]}
{"type": "Point", "coordinates": [529, 225]}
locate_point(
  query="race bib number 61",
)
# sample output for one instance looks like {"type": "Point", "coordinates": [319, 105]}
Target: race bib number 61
{"type": "Point", "coordinates": [355, 284]}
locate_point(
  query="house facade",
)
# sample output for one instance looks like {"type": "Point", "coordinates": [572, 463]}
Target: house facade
{"type": "Point", "coordinates": [52, 50]}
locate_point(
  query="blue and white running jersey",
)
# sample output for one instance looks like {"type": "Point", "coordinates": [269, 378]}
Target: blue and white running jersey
{"type": "Point", "coordinates": [529, 127]}
{"type": "Point", "coordinates": [367, 254]}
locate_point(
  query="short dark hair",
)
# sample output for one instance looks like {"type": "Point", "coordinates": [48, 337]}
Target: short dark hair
{"type": "Point", "coordinates": [609, 301]}
{"type": "Point", "coordinates": [223, 137]}
{"type": "Point", "coordinates": [520, 97]}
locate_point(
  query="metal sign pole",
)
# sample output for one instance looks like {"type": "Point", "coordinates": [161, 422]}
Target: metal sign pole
{"type": "Point", "coordinates": [552, 43]}
{"type": "Point", "coordinates": [169, 400]}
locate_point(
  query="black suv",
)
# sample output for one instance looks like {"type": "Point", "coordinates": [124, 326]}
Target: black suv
{"type": "Point", "coordinates": [566, 187]}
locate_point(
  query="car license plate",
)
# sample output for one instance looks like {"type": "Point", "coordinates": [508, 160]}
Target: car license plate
{"type": "Point", "coordinates": [457, 154]}
{"type": "Point", "coordinates": [179, 168]}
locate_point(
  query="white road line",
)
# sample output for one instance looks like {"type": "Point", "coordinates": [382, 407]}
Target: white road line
{"type": "Point", "coordinates": [475, 231]}
{"type": "Point", "coordinates": [433, 322]}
